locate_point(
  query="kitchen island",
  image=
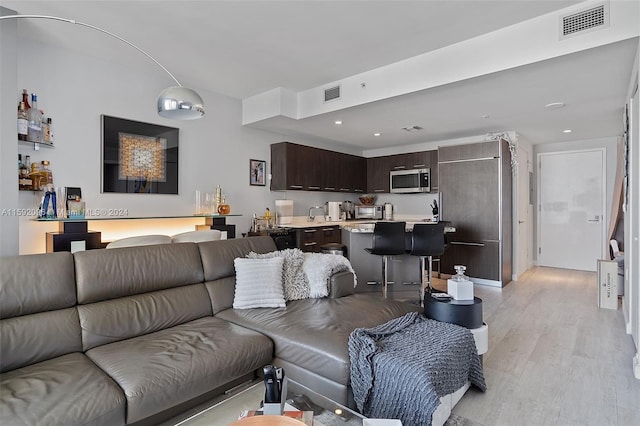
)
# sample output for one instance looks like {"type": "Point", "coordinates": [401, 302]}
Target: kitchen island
{"type": "Point", "coordinates": [356, 235]}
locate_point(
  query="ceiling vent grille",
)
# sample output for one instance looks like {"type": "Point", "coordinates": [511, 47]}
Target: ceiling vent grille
{"type": "Point", "coordinates": [590, 19]}
{"type": "Point", "coordinates": [331, 93]}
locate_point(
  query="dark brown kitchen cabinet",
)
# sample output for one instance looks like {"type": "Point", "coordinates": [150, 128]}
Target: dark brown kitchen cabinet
{"type": "Point", "coordinates": [312, 238]}
{"type": "Point", "coordinates": [475, 191]}
{"type": "Point", "coordinates": [378, 174]}
{"type": "Point", "coordinates": [305, 168]}
{"type": "Point", "coordinates": [378, 168]}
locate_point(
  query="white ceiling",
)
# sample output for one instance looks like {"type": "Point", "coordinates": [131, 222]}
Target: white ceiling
{"type": "Point", "coordinates": [243, 48]}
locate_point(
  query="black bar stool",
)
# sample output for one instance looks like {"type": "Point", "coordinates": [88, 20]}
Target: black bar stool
{"type": "Point", "coordinates": [388, 241]}
{"type": "Point", "coordinates": [427, 240]}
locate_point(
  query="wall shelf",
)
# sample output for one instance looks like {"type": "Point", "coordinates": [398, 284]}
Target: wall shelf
{"type": "Point", "coordinates": [36, 145]}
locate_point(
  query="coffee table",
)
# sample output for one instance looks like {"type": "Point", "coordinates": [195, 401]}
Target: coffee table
{"type": "Point", "coordinates": [226, 411]}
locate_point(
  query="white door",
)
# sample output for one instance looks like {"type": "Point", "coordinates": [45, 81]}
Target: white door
{"type": "Point", "coordinates": [570, 209]}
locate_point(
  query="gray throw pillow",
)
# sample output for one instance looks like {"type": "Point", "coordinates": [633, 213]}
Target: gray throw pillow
{"type": "Point", "coordinates": [296, 284]}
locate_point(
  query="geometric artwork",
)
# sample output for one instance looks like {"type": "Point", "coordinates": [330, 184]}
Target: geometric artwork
{"type": "Point", "coordinates": [138, 157]}
{"type": "Point", "coordinates": [142, 156]}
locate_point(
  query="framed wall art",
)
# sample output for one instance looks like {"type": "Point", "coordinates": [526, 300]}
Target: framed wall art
{"type": "Point", "coordinates": [138, 157]}
{"type": "Point", "coordinates": [257, 172]}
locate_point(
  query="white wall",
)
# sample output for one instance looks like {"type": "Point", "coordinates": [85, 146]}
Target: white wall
{"type": "Point", "coordinates": [74, 90]}
{"type": "Point", "coordinates": [8, 148]}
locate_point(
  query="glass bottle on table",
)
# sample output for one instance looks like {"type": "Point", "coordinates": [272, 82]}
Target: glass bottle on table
{"type": "Point", "coordinates": [25, 99]}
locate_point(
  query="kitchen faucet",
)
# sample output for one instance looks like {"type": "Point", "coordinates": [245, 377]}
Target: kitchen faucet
{"type": "Point", "coordinates": [311, 218]}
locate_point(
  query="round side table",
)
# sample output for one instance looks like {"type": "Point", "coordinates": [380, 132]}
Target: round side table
{"type": "Point", "coordinates": [466, 313]}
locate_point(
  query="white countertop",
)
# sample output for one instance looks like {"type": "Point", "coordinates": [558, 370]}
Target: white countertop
{"type": "Point", "coordinates": [362, 225]}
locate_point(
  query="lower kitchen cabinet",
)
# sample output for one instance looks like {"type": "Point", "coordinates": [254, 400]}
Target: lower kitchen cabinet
{"type": "Point", "coordinates": [482, 259]}
{"type": "Point", "coordinates": [403, 271]}
{"type": "Point", "coordinates": [312, 238]}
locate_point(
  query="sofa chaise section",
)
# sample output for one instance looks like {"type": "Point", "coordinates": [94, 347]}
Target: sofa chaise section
{"type": "Point", "coordinates": [46, 377]}
{"type": "Point", "coordinates": [147, 321]}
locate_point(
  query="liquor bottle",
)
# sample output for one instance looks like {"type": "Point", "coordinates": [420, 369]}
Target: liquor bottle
{"type": "Point", "coordinates": [23, 124]}
{"type": "Point", "coordinates": [25, 99]}
{"type": "Point", "coordinates": [47, 131]}
{"type": "Point", "coordinates": [45, 172]}
{"type": "Point", "coordinates": [35, 177]}
{"type": "Point", "coordinates": [34, 117]}
{"type": "Point", "coordinates": [24, 181]}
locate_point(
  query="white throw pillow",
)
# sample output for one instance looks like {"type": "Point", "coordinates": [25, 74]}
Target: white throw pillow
{"type": "Point", "coordinates": [258, 283]}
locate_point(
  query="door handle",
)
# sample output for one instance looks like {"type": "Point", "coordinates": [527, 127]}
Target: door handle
{"type": "Point", "coordinates": [521, 221]}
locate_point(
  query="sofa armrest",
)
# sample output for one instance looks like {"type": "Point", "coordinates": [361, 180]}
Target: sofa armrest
{"type": "Point", "coordinates": [341, 284]}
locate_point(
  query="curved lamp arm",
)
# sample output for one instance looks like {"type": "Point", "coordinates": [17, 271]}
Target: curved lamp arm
{"type": "Point", "coordinates": [175, 102]}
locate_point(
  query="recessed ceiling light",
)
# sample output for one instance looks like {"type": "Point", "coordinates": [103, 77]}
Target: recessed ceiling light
{"type": "Point", "coordinates": [377, 134]}
{"type": "Point", "coordinates": [338, 122]}
{"type": "Point", "coordinates": [485, 116]}
{"type": "Point", "coordinates": [566, 131]}
{"type": "Point", "coordinates": [554, 105]}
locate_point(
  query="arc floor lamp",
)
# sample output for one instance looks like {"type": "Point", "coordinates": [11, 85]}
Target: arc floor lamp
{"type": "Point", "coordinates": [176, 102]}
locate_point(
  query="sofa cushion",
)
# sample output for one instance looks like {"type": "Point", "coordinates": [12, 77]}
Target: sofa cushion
{"type": "Point", "coordinates": [126, 317]}
{"type": "Point", "coordinates": [259, 283]}
{"type": "Point", "coordinates": [218, 256]}
{"type": "Point", "coordinates": [68, 390]}
{"type": "Point", "coordinates": [33, 338]}
{"type": "Point", "coordinates": [171, 366]}
{"type": "Point", "coordinates": [313, 333]}
{"type": "Point", "coordinates": [36, 283]}
{"type": "Point", "coordinates": [110, 274]}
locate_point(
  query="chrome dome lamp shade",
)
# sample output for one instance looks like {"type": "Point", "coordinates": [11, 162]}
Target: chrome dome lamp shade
{"type": "Point", "coordinates": [176, 102]}
{"type": "Point", "coordinates": [180, 103]}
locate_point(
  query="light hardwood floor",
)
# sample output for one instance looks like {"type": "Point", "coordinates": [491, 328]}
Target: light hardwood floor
{"type": "Point", "coordinates": [554, 357]}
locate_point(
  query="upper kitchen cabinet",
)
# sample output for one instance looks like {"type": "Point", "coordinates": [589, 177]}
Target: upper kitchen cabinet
{"type": "Point", "coordinates": [305, 168]}
{"type": "Point", "coordinates": [378, 168]}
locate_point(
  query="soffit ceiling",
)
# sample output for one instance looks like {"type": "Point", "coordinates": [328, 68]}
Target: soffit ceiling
{"type": "Point", "coordinates": [243, 48]}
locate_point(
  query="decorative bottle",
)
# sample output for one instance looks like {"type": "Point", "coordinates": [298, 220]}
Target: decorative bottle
{"type": "Point", "coordinates": [34, 117]}
{"type": "Point", "coordinates": [23, 123]}
{"type": "Point", "coordinates": [459, 287]}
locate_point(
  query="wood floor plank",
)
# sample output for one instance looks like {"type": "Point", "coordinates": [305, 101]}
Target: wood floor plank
{"type": "Point", "coordinates": [554, 357]}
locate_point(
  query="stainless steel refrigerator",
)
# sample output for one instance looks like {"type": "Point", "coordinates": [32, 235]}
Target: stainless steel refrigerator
{"type": "Point", "coordinates": [475, 189]}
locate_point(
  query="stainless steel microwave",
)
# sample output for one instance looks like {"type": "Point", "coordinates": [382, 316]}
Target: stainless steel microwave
{"type": "Point", "coordinates": [369, 211]}
{"type": "Point", "coordinates": [410, 181]}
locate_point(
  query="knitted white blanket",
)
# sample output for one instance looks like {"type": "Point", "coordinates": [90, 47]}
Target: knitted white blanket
{"type": "Point", "coordinates": [319, 267]}
{"type": "Point", "coordinates": [306, 275]}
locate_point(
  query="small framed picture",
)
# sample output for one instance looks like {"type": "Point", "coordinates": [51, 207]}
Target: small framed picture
{"type": "Point", "coordinates": [257, 172]}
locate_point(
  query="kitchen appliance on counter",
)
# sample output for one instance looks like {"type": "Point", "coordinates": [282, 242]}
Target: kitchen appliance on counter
{"type": "Point", "coordinates": [349, 210]}
{"type": "Point", "coordinates": [410, 181]}
{"type": "Point", "coordinates": [387, 211]}
{"type": "Point", "coordinates": [284, 211]}
{"type": "Point", "coordinates": [373, 212]}
{"type": "Point", "coordinates": [332, 211]}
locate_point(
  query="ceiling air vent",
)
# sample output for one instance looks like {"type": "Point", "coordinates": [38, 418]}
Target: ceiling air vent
{"type": "Point", "coordinates": [332, 93]}
{"type": "Point", "coordinates": [412, 128]}
{"type": "Point", "coordinates": [589, 19]}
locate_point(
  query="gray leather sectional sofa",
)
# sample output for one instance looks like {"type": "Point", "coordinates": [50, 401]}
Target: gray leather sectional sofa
{"type": "Point", "coordinates": [136, 335]}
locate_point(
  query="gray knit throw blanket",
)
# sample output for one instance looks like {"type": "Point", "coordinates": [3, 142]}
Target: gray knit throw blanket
{"type": "Point", "coordinates": [400, 369]}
